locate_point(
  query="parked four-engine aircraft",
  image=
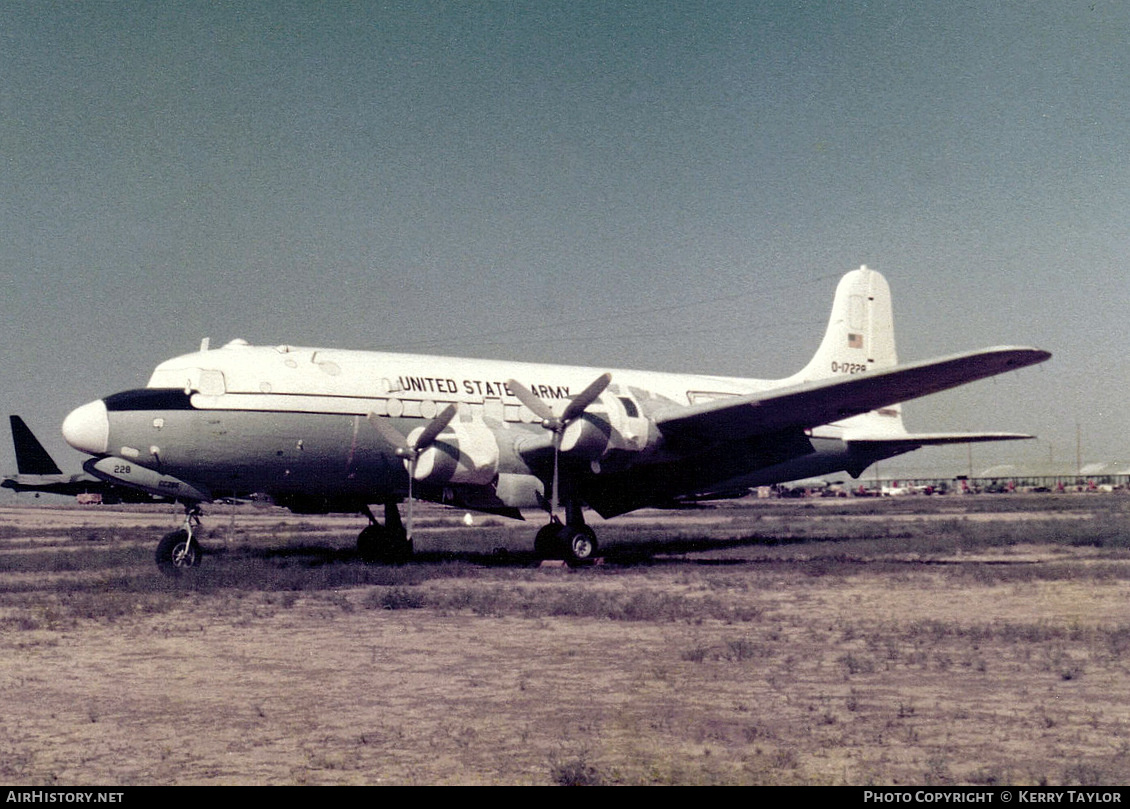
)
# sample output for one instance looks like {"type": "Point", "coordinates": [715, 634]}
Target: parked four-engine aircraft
{"type": "Point", "coordinates": [321, 430]}
{"type": "Point", "coordinates": [38, 473]}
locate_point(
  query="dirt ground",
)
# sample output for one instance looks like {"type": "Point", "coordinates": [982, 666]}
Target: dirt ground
{"type": "Point", "coordinates": [746, 659]}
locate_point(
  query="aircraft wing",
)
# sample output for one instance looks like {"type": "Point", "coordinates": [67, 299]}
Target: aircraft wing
{"type": "Point", "coordinates": [828, 400]}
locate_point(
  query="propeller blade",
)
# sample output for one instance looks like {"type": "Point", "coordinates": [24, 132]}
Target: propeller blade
{"type": "Point", "coordinates": [586, 397]}
{"type": "Point", "coordinates": [423, 440]}
{"type": "Point", "coordinates": [390, 434]}
{"type": "Point", "coordinates": [434, 428]}
{"type": "Point", "coordinates": [577, 405]}
{"type": "Point", "coordinates": [411, 475]}
{"type": "Point", "coordinates": [411, 451]}
{"type": "Point", "coordinates": [555, 491]}
{"type": "Point", "coordinates": [531, 400]}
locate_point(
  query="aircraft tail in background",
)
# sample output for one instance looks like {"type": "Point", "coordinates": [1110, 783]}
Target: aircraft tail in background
{"type": "Point", "coordinates": [31, 457]}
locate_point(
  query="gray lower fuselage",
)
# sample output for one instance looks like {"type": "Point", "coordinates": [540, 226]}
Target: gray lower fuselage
{"type": "Point", "coordinates": [334, 462]}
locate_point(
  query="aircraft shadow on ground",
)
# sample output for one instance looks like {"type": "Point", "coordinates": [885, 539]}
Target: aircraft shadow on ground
{"type": "Point", "coordinates": [624, 554]}
{"type": "Point", "coordinates": [697, 551]}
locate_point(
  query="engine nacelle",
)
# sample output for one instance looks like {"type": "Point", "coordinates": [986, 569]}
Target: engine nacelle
{"type": "Point", "coordinates": [520, 491]}
{"type": "Point", "coordinates": [464, 453]}
{"type": "Point", "coordinates": [129, 473]}
{"type": "Point", "coordinates": [611, 423]}
{"type": "Point", "coordinates": [589, 436]}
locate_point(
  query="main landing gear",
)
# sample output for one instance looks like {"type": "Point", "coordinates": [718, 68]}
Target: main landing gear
{"type": "Point", "coordinates": [560, 541]}
{"type": "Point", "coordinates": [572, 540]}
{"type": "Point", "coordinates": [384, 543]}
{"type": "Point", "coordinates": [180, 550]}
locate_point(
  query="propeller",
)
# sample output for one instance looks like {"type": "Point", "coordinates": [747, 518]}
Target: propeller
{"type": "Point", "coordinates": [557, 424]}
{"type": "Point", "coordinates": [410, 448]}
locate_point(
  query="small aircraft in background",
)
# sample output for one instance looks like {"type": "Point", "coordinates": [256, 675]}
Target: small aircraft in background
{"type": "Point", "coordinates": [38, 473]}
{"type": "Point", "coordinates": [324, 430]}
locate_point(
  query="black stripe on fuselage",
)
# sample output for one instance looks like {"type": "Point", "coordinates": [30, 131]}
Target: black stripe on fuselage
{"type": "Point", "coordinates": [149, 399]}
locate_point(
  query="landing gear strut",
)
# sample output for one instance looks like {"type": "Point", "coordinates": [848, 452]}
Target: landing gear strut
{"type": "Point", "coordinates": [180, 550]}
{"type": "Point", "coordinates": [384, 543]}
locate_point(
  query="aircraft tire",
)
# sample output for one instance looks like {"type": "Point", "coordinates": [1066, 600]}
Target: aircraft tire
{"type": "Point", "coordinates": [377, 545]}
{"type": "Point", "coordinates": [547, 542]}
{"type": "Point", "coordinates": [582, 544]}
{"type": "Point", "coordinates": [371, 544]}
{"type": "Point", "coordinates": [174, 555]}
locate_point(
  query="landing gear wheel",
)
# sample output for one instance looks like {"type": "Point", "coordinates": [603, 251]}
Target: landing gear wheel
{"type": "Point", "coordinates": [175, 553]}
{"type": "Point", "coordinates": [582, 544]}
{"type": "Point", "coordinates": [557, 541]}
{"type": "Point", "coordinates": [376, 544]}
{"type": "Point", "coordinates": [369, 542]}
{"type": "Point", "coordinates": [547, 541]}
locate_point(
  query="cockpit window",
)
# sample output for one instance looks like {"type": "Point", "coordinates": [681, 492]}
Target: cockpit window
{"type": "Point", "coordinates": [207, 381]}
{"type": "Point", "coordinates": [212, 383]}
{"type": "Point", "coordinates": [149, 399]}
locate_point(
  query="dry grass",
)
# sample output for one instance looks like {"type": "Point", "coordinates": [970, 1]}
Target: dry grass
{"type": "Point", "coordinates": [885, 642]}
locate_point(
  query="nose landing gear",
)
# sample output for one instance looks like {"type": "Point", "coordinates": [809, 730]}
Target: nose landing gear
{"type": "Point", "coordinates": [180, 550]}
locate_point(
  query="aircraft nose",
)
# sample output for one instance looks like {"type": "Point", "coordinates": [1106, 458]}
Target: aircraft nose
{"type": "Point", "coordinates": [87, 428]}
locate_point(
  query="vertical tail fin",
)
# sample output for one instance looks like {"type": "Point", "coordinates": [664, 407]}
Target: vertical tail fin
{"type": "Point", "coordinates": [860, 339]}
{"type": "Point", "coordinates": [861, 335]}
{"type": "Point", "coordinates": [31, 457]}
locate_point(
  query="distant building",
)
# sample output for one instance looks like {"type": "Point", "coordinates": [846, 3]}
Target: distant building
{"type": "Point", "coordinates": [1052, 475]}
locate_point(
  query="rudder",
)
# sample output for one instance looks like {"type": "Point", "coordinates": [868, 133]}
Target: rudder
{"type": "Point", "coordinates": [860, 336]}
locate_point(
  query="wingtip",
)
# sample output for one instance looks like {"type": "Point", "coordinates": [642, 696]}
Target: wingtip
{"type": "Point", "coordinates": [1037, 355]}
{"type": "Point", "coordinates": [1020, 356]}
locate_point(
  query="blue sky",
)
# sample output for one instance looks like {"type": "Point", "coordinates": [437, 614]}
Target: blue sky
{"type": "Point", "coordinates": [673, 186]}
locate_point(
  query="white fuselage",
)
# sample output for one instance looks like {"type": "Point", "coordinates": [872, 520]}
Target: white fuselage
{"type": "Point", "coordinates": [290, 422]}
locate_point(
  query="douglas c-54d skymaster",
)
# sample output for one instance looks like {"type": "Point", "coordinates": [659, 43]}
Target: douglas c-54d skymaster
{"type": "Point", "coordinates": [320, 430]}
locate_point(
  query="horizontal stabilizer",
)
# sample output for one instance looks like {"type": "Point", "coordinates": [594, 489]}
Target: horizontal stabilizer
{"type": "Point", "coordinates": [830, 400]}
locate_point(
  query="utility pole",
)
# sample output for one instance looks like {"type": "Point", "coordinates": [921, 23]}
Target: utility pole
{"type": "Point", "coordinates": [1078, 451]}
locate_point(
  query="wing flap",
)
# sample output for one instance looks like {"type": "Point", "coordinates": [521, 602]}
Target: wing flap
{"type": "Point", "coordinates": [826, 401]}
{"type": "Point", "coordinates": [913, 440]}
